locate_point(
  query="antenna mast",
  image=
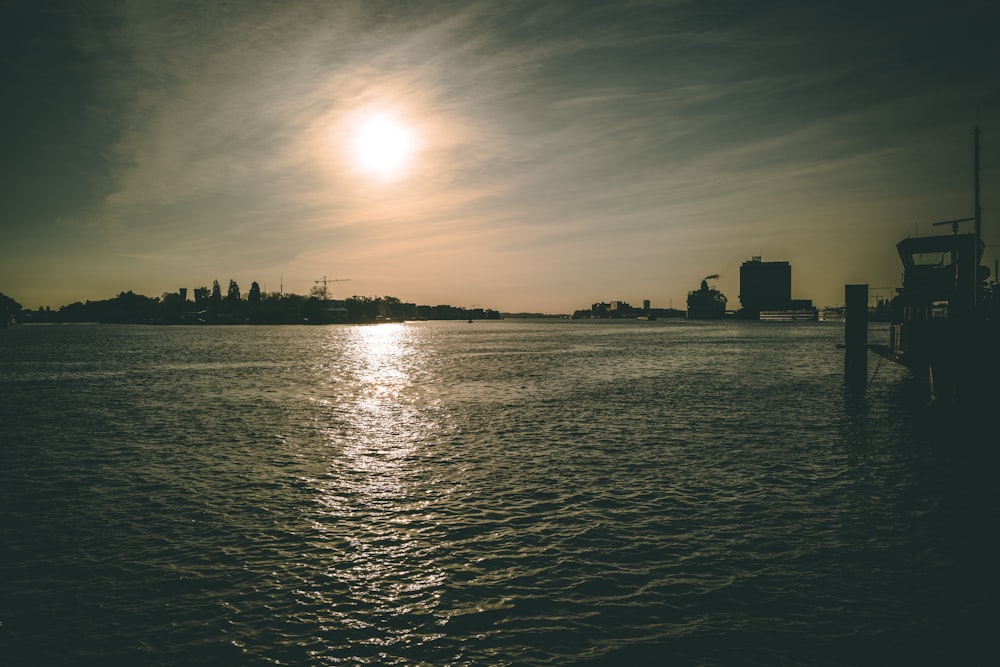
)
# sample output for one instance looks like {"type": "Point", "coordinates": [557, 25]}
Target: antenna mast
{"type": "Point", "coordinates": [978, 214]}
{"type": "Point", "coordinates": [978, 209]}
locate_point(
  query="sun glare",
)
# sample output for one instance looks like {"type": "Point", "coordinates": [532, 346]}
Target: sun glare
{"type": "Point", "coordinates": [383, 146]}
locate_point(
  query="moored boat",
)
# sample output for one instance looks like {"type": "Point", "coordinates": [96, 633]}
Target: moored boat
{"type": "Point", "coordinates": [792, 315]}
{"type": "Point", "coordinates": [944, 324]}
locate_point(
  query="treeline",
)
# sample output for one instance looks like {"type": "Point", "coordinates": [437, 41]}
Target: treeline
{"type": "Point", "coordinates": [210, 306]}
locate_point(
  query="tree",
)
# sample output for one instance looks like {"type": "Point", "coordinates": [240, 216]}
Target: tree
{"type": "Point", "coordinates": [8, 309]}
{"type": "Point", "coordinates": [216, 292]}
{"type": "Point", "coordinates": [233, 295]}
{"type": "Point", "coordinates": [172, 307]}
{"type": "Point", "coordinates": [254, 295]}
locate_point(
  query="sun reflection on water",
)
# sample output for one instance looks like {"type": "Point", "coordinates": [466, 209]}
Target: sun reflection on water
{"type": "Point", "coordinates": [375, 504]}
{"type": "Point", "coordinates": [382, 353]}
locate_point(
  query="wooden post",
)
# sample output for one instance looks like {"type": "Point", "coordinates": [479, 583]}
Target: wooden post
{"type": "Point", "coordinates": [856, 334]}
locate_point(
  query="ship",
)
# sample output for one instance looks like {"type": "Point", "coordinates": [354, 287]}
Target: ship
{"type": "Point", "coordinates": [944, 324]}
{"type": "Point", "coordinates": [706, 303]}
{"type": "Point", "coordinates": [789, 315]}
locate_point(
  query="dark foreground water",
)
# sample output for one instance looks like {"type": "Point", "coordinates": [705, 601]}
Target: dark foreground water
{"type": "Point", "coordinates": [497, 493]}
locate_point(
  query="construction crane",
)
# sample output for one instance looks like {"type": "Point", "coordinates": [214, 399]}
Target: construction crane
{"type": "Point", "coordinates": [323, 292]}
{"type": "Point", "coordinates": [875, 293]}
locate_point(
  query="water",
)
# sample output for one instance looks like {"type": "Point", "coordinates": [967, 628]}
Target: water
{"type": "Point", "coordinates": [497, 493]}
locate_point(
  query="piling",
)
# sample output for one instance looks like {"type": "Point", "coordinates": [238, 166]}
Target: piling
{"type": "Point", "coordinates": [856, 334]}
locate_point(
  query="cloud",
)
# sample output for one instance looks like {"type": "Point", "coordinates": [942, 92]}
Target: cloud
{"type": "Point", "coordinates": [552, 134]}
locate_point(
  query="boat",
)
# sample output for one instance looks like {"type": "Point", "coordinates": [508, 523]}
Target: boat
{"type": "Point", "coordinates": [790, 315]}
{"type": "Point", "coordinates": [831, 314]}
{"type": "Point", "coordinates": [944, 325]}
{"type": "Point", "coordinates": [706, 303]}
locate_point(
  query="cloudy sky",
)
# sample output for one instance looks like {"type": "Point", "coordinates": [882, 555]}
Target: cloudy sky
{"type": "Point", "coordinates": [524, 156]}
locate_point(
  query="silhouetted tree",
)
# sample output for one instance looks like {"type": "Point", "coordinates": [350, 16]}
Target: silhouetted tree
{"type": "Point", "coordinates": [172, 307]}
{"type": "Point", "coordinates": [126, 307]}
{"type": "Point", "coordinates": [233, 295]}
{"type": "Point", "coordinates": [215, 299]}
{"type": "Point", "coordinates": [254, 295]}
{"type": "Point", "coordinates": [361, 308]}
{"type": "Point", "coordinates": [73, 312]}
{"type": "Point", "coordinates": [129, 307]}
{"type": "Point", "coordinates": [8, 309]}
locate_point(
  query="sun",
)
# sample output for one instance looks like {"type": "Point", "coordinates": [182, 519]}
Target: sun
{"type": "Point", "coordinates": [383, 145]}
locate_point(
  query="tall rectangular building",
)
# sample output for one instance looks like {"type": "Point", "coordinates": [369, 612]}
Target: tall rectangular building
{"type": "Point", "coordinates": [765, 285]}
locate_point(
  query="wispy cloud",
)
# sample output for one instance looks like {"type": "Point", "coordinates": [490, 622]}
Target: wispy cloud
{"type": "Point", "coordinates": [551, 135]}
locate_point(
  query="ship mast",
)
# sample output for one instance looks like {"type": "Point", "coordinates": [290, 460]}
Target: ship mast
{"type": "Point", "coordinates": [978, 217]}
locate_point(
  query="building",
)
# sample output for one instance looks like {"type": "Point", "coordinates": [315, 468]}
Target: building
{"type": "Point", "coordinates": [621, 309]}
{"type": "Point", "coordinates": [765, 286]}
{"type": "Point", "coordinates": [766, 292]}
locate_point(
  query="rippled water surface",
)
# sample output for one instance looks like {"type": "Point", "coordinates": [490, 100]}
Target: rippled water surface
{"type": "Point", "coordinates": [497, 493]}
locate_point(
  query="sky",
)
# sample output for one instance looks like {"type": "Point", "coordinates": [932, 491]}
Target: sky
{"type": "Point", "coordinates": [524, 156]}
